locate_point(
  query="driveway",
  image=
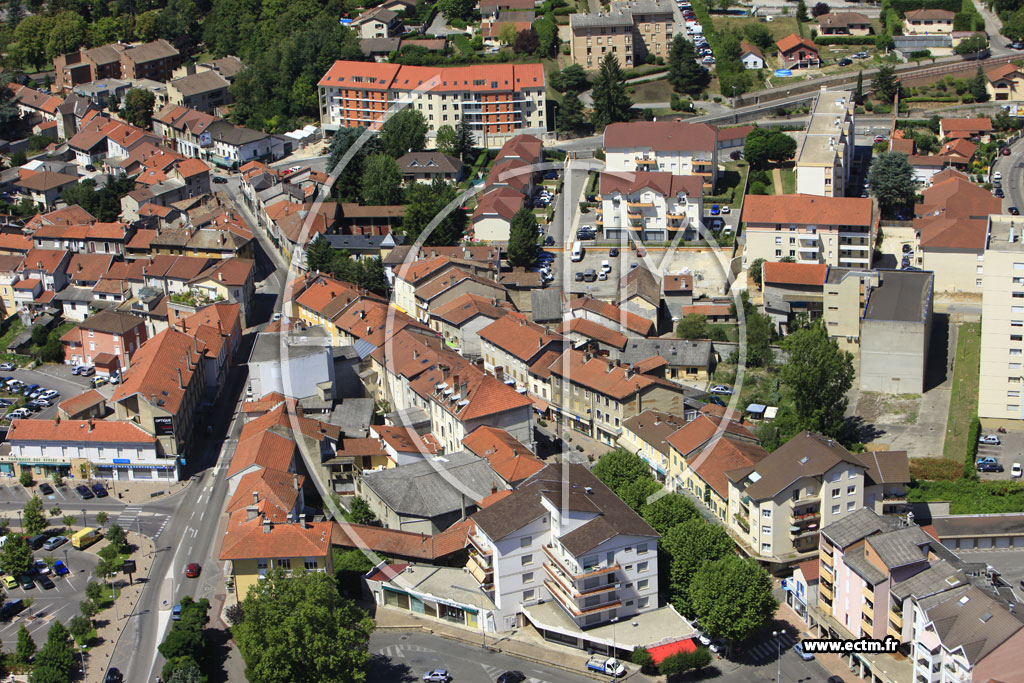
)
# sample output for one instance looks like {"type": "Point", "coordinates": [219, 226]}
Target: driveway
{"type": "Point", "coordinates": [439, 27]}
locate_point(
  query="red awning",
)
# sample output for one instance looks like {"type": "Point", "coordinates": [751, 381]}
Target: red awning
{"type": "Point", "coordinates": [661, 652]}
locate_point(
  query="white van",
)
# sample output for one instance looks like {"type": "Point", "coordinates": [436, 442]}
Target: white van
{"type": "Point", "coordinates": [606, 267]}
{"type": "Point", "coordinates": [577, 252]}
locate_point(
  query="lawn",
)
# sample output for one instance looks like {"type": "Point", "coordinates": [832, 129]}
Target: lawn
{"type": "Point", "coordinates": [963, 404]}
{"type": "Point", "coordinates": [788, 181]}
{"type": "Point", "coordinates": [733, 176]}
{"type": "Point", "coordinates": [780, 27]}
{"type": "Point", "coordinates": [650, 91]}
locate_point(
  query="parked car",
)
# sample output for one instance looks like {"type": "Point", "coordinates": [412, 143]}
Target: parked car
{"type": "Point", "coordinates": [100, 490]}
{"type": "Point", "coordinates": [49, 393]}
{"type": "Point", "coordinates": [7, 366]}
{"type": "Point", "coordinates": [220, 180]}
{"type": "Point", "coordinates": [41, 403]}
{"type": "Point", "coordinates": [59, 568]}
{"type": "Point", "coordinates": [999, 192]}
{"type": "Point", "coordinates": [987, 458]}
{"type": "Point", "coordinates": [549, 241]}
{"type": "Point", "coordinates": [907, 249]}
{"type": "Point", "coordinates": [26, 582]}
{"type": "Point", "coordinates": [990, 467]}
{"type": "Point", "coordinates": [880, 138]}
{"type": "Point", "coordinates": [98, 382]}
{"type": "Point", "coordinates": [1005, 151]}
{"type": "Point", "coordinates": [861, 55]}
{"type": "Point", "coordinates": [715, 210]}
{"type": "Point", "coordinates": [176, 612]}
{"type": "Point", "coordinates": [437, 676]}
{"type": "Point", "coordinates": [511, 677]}
{"type": "Point", "coordinates": [88, 371]}
{"type": "Point", "coordinates": [29, 389]}
{"type": "Point", "coordinates": [997, 177]}
{"type": "Point", "coordinates": [845, 62]}
{"type": "Point", "coordinates": [41, 567]}
{"type": "Point", "coordinates": [1014, 211]}
{"type": "Point", "coordinates": [720, 389]}
{"type": "Point", "coordinates": [11, 608]}
{"type": "Point", "coordinates": [613, 252]}
{"type": "Point", "coordinates": [802, 653]}
{"type": "Point", "coordinates": [55, 542]}
{"type": "Point", "coordinates": [578, 276]}
{"type": "Point", "coordinates": [990, 439]}
{"type": "Point", "coordinates": [726, 209]}
{"type": "Point", "coordinates": [114, 675]}
{"type": "Point", "coordinates": [84, 492]}
{"type": "Point", "coordinates": [589, 275]}
{"type": "Point", "coordinates": [8, 581]}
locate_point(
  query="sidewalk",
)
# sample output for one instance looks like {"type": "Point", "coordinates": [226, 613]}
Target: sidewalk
{"type": "Point", "coordinates": [98, 657]}
{"type": "Point", "coordinates": [523, 643]}
{"type": "Point", "coordinates": [139, 492]}
{"type": "Point", "coordinates": [831, 663]}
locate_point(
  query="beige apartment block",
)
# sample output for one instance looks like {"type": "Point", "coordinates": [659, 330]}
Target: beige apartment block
{"type": "Point", "coordinates": [825, 158]}
{"type": "Point", "coordinates": [629, 30]}
{"type": "Point", "coordinates": [1002, 322]}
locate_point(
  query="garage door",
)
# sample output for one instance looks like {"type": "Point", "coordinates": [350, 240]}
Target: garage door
{"type": "Point", "coordinates": [984, 543]}
{"type": "Point", "coordinates": [1003, 542]}
{"type": "Point", "coordinates": [966, 544]}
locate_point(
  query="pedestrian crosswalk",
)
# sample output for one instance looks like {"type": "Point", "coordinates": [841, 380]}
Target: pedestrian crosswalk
{"type": "Point", "coordinates": [769, 649]}
{"type": "Point", "coordinates": [493, 672]}
{"type": "Point", "coordinates": [399, 651]}
{"type": "Point", "coordinates": [126, 520]}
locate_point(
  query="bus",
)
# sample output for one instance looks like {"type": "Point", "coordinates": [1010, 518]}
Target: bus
{"type": "Point", "coordinates": [85, 538]}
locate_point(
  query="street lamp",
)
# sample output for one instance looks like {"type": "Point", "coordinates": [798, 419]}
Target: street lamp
{"type": "Point", "coordinates": [480, 613]}
{"type": "Point", "coordinates": [66, 561]}
{"type": "Point", "coordinates": [81, 654]}
{"type": "Point", "coordinates": [21, 527]}
{"type": "Point", "coordinates": [84, 522]}
{"type": "Point", "coordinates": [778, 660]}
{"type": "Point", "coordinates": [614, 619]}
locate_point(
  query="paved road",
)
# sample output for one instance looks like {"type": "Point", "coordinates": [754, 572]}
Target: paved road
{"type": "Point", "coordinates": [1012, 168]}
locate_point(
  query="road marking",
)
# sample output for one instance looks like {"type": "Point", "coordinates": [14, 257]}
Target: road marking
{"type": "Point", "coordinates": [195, 532]}
{"type": "Point", "coordinates": [190, 546]}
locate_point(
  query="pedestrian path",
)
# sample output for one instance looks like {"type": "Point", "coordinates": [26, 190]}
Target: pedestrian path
{"type": "Point", "coordinates": [127, 518]}
{"type": "Point", "coordinates": [399, 651]}
{"type": "Point", "coordinates": [769, 650]}
{"type": "Point", "coordinates": [493, 672]}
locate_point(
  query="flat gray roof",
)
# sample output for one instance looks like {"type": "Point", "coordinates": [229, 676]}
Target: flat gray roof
{"type": "Point", "coordinates": [900, 295]}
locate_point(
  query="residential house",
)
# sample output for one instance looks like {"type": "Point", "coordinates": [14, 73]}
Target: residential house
{"type": "Point", "coordinates": [792, 289]}
{"type": "Point", "coordinates": [230, 280]}
{"type": "Point", "coordinates": [44, 188]}
{"type": "Point", "coordinates": [824, 160]}
{"type": "Point", "coordinates": [978, 128]}
{"type": "Point", "coordinates": [650, 206]}
{"type": "Point", "coordinates": [611, 316]}
{"type": "Point", "coordinates": [844, 24]}
{"type": "Point", "coordinates": [412, 275]}
{"type": "Point", "coordinates": [49, 266]}
{"type": "Point", "coordinates": [640, 293]}
{"type": "Point", "coordinates": [360, 93]}
{"type": "Point", "coordinates": [460, 321]}
{"type": "Point", "coordinates": [404, 445]}
{"type": "Point", "coordinates": [297, 363]}
{"type": "Point", "coordinates": [927, 22]}
{"type": "Point", "coordinates": [378, 23]}
{"type": "Point", "coordinates": [586, 334]}
{"type": "Point", "coordinates": [802, 588]}
{"type": "Point", "coordinates": [424, 167]}
{"type": "Point", "coordinates": [492, 218]}
{"type": "Point", "coordinates": [798, 53]}
{"type": "Point", "coordinates": [254, 545]}
{"type": "Point", "coordinates": [1005, 83]}
{"type": "Point", "coordinates": [508, 457]}
{"type": "Point", "coordinates": [751, 56]}
{"type": "Point", "coordinates": [676, 292]}
{"type": "Point", "coordinates": [512, 344]}
{"type": "Point", "coordinates": [203, 91]}
{"type": "Point", "coordinates": [646, 435]}
{"type": "Point", "coordinates": [107, 339]}
{"type": "Point", "coordinates": [680, 360]}
{"type": "Point", "coordinates": [838, 231]}
{"type": "Point", "coordinates": [681, 149]}
{"type": "Point", "coordinates": [629, 30]}
{"type": "Point", "coordinates": [450, 285]}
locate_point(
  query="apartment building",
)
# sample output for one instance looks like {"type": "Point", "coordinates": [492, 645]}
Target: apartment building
{"type": "Point", "coordinates": [895, 332]}
{"type": "Point", "coordinates": [564, 537]}
{"type": "Point", "coordinates": [512, 344]}
{"type": "Point", "coordinates": [593, 395]}
{"type": "Point", "coordinates": [1002, 323]}
{"type": "Point", "coordinates": [650, 206]}
{"type": "Point", "coordinates": [686, 149]}
{"type": "Point", "coordinates": [838, 231]}
{"type": "Point", "coordinates": [449, 286]}
{"type": "Point", "coordinates": [498, 101]}
{"type": "Point", "coordinates": [629, 30]}
{"type": "Point", "coordinates": [154, 61]}
{"type": "Point", "coordinates": [647, 435]}
{"type": "Point", "coordinates": [107, 340]}
{"type": "Point", "coordinates": [254, 545]}
{"type": "Point", "coordinates": [460, 321]}
{"type": "Point", "coordinates": [412, 275]}
{"type": "Point", "coordinates": [777, 506]}
{"type": "Point", "coordinates": [825, 157]}
{"type": "Point", "coordinates": [202, 91]}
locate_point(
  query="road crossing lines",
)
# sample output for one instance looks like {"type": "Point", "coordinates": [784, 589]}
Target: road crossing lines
{"type": "Point", "coordinates": [769, 649]}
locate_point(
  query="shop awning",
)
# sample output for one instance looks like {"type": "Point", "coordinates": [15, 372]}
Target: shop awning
{"type": "Point", "coordinates": [662, 652]}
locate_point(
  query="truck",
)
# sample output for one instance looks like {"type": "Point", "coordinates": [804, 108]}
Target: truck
{"type": "Point", "coordinates": [609, 666]}
{"type": "Point", "coordinates": [85, 538]}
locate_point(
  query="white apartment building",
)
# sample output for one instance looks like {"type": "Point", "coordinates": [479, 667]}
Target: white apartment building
{"type": "Point", "coordinates": [667, 146]}
{"type": "Point", "coordinates": [1002, 322]}
{"type": "Point", "coordinates": [499, 101]}
{"type": "Point", "coordinates": [652, 206]}
{"type": "Point", "coordinates": [564, 537]}
{"type": "Point", "coordinates": [825, 157]}
{"type": "Point", "coordinates": [838, 231]}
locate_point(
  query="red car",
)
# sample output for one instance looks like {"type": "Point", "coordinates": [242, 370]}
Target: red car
{"type": "Point", "coordinates": [192, 570]}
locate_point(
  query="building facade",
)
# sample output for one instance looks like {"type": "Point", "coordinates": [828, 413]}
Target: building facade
{"type": "Point", "coordinates": [825, 158]}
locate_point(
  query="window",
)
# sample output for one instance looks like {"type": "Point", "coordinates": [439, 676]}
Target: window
{"type": "Point", "coordinates": [850, 506]}
{"type": "Point", "coordinates": [525, 541]}
{"type": "Point", "coordinates": [1013, 406]}
{"type": "Point", "coordinates": [641, 549]}
{"type": "Point", "coordinates": [527, 560]}
{"type": "Point", "coordinates": [528, 594]}
{"type": "Point", "coordinates": [766, 529]}
{"type": "Point", "coordinates": [643, 602]}
{"type": "Point", "coordinates": [836, 476]}
{"type": "Point", "coordinates": [310, 564]}
{"type": "Point", "coordinates": [1012, 394]}
{"type": "Point", "coordinates": [835, 509]}
{"type": "Point", "coordinates": [642, 584]}
{"type": "Point", "coordinates": [284, 563]}
{"type": "Point", "coordinates": [766, 514]}
{"type": "Point", "coordinates": [835, 492]}
{"type": "Point", "coordinates": [766, 548]}
{"type": "Point", "coordinates": [261, 564]}
{"type": "Point", "coordinates": [528, 577]}
{"type": "Point", "coordinates": [850, 490]}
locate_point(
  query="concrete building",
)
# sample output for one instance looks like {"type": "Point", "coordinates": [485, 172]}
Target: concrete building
{"type": "Point", "coordinates": [895, 332]}
{"type": "Point", "coordinates": [837, 231]}
{"type": "Point", "coordinates": [202, 91]}
{"type": "Point", "coordinates": [298, 363]}
{"type": "Point", "coordinates": [844, 24]}
{"type": "Point", "coordinates": [1005, 83]}
{"type": "Point", "coordinates": [685, 149]}
{"type": "Point", "coordinates": [1002, 322]}
{"type": "Point", "coordinates": [825, 158]}
{"type": "Point", "coordinates": [499, 101]}
{"type": "Point", "coordinates": [650, 206]}
{"type": "Point", "coordinates": [629, 30]}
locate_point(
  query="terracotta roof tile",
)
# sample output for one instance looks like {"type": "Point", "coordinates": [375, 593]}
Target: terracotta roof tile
{"type": "Point", "coordinates": [79, 431]}
{"type": "Point", "coordinates": [662, 136]}
{"type": "Point", "coordinates": [507, 456]}
{"type": "Point", "coordinates": [83, 401]}
{"type": "Point", "coordinates": [804, 208]}
{"type": "Point", "coordinates": [593, 330]}
{"type": "Point", "coordinates": [518, 336]}
{"type": "Point", "coordinates": [694, 434]}
{"type": "Point", "coordinates": [154, 371]}
{"type": "Point", "coordinates": [247, 539]}
{"type": "Point", "coordinates": [778, 273]}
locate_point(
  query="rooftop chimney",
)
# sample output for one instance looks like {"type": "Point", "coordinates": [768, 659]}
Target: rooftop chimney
{"type": "Point", "coordinates": [220, 276]}
{"type": "Point", "coordinates": [255, 498]}
{"type": "Point", "coordinates": [302, 519]}
{"type": "Point", "coordinates": [267, 524]}
{"type": "Point", "coordinates": [295, 481]}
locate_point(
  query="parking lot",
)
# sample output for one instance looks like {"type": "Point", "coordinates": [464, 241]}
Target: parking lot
{"type": "Point", "coordinates": [60, 602]}
{"type": "Point", "coordinates": [56, 377]}
{"type": "Point", "coordinates": [1009, 451]}
{"type": "Point", "coordinates": [593, 257]}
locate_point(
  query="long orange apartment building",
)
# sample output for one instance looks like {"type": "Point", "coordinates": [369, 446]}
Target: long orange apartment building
{"type": "Point", "coordinates": [499, 101]}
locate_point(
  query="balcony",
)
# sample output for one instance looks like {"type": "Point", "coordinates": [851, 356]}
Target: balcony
{"type": "Point", "coordinates": [586, 573]}
{"type": "Point", "coordinates": [895, 619]}
{"type": "Point", "coordinates": [566, 584]}
{"type": "Point", "coordinates": [806, 500]}
{"type": "Point", "coordinates": [634, 216]}
{"type": "Point", "coordinates": [867, 592]}
{"type": "Point", "coordinates": [825, 589]}
{"type": "Point", "coordinates": [805, 517]}
{"type": "Point", "coordinates": [640, 205]}
{"type": "Point", "coordinates": [676, 216]}
{"type": "Point", "coordinates": [482, 573]}
{"type": "Point", "coordinates": [742, 522]}
{"type": "Point", "coordinates": [576, 610]}
{"type": "Point", "coordinates": [643, 161]}
{"type": "Point", "coordinates": [800, 532]}
{"type": "Point", "coordinates": [866, 625]}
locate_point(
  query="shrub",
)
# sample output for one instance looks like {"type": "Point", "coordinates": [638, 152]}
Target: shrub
{"type": "Point", "coordinates": [844, 40]}
{"type": "Point", "coordinates": [970, 471]}
{"type": "Point", "coordinates": [935, 469]}
{"type": "Point", "coordinates": [643, 658]}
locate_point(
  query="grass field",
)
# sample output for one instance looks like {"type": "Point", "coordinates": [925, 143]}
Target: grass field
{"type": "Point", "coordinates": [788, 181]}
{"type": "Point", "coordinates": [650, 91]}
{"type": "Point", "coordinates": [780, 27]}
{"type": "Point", "coordinates": [963, 404]}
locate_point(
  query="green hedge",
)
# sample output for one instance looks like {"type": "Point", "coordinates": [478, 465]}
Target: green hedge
{"type": "Point", "coordinates": [845, 40]}
{"type": "Point", "coordinates": [970, 469]}
{"type": "Point", "coordinates": [646, 71]}
{"type": "Point", "coordinates": [562, 11]}
{"type": "Point", "coordinates": [931, 98]}
{"type": "Point", "coordinates": [904, 6]}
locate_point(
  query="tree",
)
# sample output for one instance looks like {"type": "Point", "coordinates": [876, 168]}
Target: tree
{"type": "Point", "coordinates": [732, 597]}
{"type": "Point", "coordinates": [885, 83]}
{"type": "Point", "coordinates": [34, 518]}
{"type": "Point", "coordinates": [858, 93]}
{"type": "Point", "coordinates": [56, 658]}
{"type": "Point", "coordinates": [300, 629]}
{"type": "Point", "coordinates": [445, 140]}
{"type": "Point", "coordinates": [764, 146]}
{"type": "Point", "coordinates": [891, 179]}
{"type": "Point", "coordinates": [88, 609]}
{"type": "Point", "coordinates": [110, 561]}
{"type": "Point", "coordinates": [820, 9]}
{"type": "Point", "coordinates": [801, 11]}
{"type": "Point", "coordinates": [79, 627]}
{"type": "Point", "coordinates": [547, 37]}
{"type": "Point", "coordinates": [138, 108]}
{"type": "Point", "coordinates": [348, 162]}
{"type": "Point", "coordinates": [465, 140]}
{"type": "Point", "coordinates": [688, 546]}
{"type": "Point", "coordinates": [618, 467]}
{"type": "Point", "coordinates": [26, 647]}
{"type": "Point", "coordinates": [235, 614]}
{"type": "Point", "coordinates": [1013, 26]}
{"type": "Point", "coordinates": [423, 204]}
{"type": "Point", "coordinates": [926, 143]}
{"type": "Point", "coordinates": [359, 511]}
{"type": "Point", "coordinates": [507, 33]}
{"type": "Point", "coordinates": [188, 673]}
{"type": "Point", "coordinates": [978, 87]}
{"type": "Point", "coordinates": [817, 374]}
{"type": "Point", "coordinates": [94, 591]}
{"type": "Point", "coordinates": [456, 9]}
{"type": "Point", "coordinates": [102, 518]}
{"type": "Point", "coordinates": [320, 254]}
{"type": "Point", "coordinates": [522, 239]}
{"type": "Point", "coordinates": [684, 73]}
{"type": "Point", "coordinates": [67, 33]}
{"type": "Point", "coordinates": [382, 181]}
{"type": "Point", "coordinates": [571, 118]}
{"type": "Point", "coordinates": [526, 42]}
{"type": "Point", "coordinates": [69, 520]}
{"type": "Point", "coordinates": [25, 478]}
{"type": "Point", "coordinates": [57, 477]}
{"type": "Point", "coordinates": [611, 103]}
{"type": "Point", "coordinates": [570, 79]}
{"type": "Point", "coordinates": [642, 657]}
{"type": "Point", "coordinates": [30, 40]}
{"type": "Point", "coordinates": [668, 511]}
{"type": "Point", "coordinates": [635, 493]}
{"type": "Point", "coordinates": [969, 46]}
{"type": "Point", "coordinates": [349, 568]}
{"type": "Point", "coordinates": [693, 326]}
{"type": "Point", "coordinates": [9, 114]}
{"type": "Point", "coordinates": [16, 556]}
{"type": "Point", "coordinates": [756, 271]}
{"type": "Point", "coordinates": [184, 646]}
{"type": "Point", "coordinates": [681, 662]}
{"type": "Point", "coordinates": [117, 538]}
{"type": "Point", "coordinates": [759, 35]}
{"type": "Point", "coordinates": [404, 132]}
{"type": "Point", "coordinates": [15, 13]}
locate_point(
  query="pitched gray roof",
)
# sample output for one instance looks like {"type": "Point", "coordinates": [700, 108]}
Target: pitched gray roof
{"type": "Point", "coordinates": [546, 305]}
{"type": "Point", "coordinates": [973, 621]}
{"type": "Point", "coordinates": [428, 162]}
{"type": "Point", "coordinates": [860, 565]}
{"type": "Point", "coordinates": [859, 524]}
{"type": "Point", "coordinates": [805, 455]}
{"type": "Point", "coordinates": [222, 131]}
{"type": "Point", "coordinates": [369, 46]}
{"type": "Point", "coordinates": [675, 351]}
{"type": "Point", "coordinates": [362, 242]}
{"type": "Point", "coordinates": [201, 82]}
{"type": "Point", "coordinates": [941, 576]}
{"type": "Point", "coordinates": [425, 488]}
{"type": "Point", "coordinates": [901, 546]}
{"type": "Point", "coordinates": [1011, 523]}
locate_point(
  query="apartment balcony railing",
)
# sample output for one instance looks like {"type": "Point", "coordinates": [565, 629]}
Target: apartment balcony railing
{"type": "Point", "coordinates": [643, 161]}
{"type": "Point", "coordinates": [640, 205]}
{"type": "Point", "coordinates": [578, 610]}
{"type": "Point", "coordinates": [806, 517]}
{"type": "Point", "coordinates": [742, 522]}
{"type": "Point", "coordinates": [566, 583]}
{"type": "Point", "coordinates": [676, 216]}
{"type": "Point", "coordinates": [807, 500]}
{"type": "Point", "coordinates": [586, 573]}
{"type": "Point", "coordinates": [633, 216]}
{"type": "Point", "coordinates": [479, 546]}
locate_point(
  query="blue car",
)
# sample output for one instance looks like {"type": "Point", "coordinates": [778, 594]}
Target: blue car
{"type": "Point", "coordinates": [715, 210]}
{"type": "Point", "coordinates": [59, 568]}
{"type": "Point", "coordinates": [176, 613]}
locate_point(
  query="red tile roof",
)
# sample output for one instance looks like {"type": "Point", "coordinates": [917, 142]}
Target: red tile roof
{"type": "Point", "coordinates": [47, 260]}
{"type": "Point", "coordinates": [480, 394]}
{"type": "Point", "coordinates": [507, 456]}
{"type": "Point", "coordinates": [592, 330]}
{"type": "Point", "coordinates": [966, 126]}
{"type": "Point", "coordinates": [154, 371]}
{"type": "Point", "coordinates": [631, 321]}
{"type": "Point", "coordinates": [79, 431]}
{"type": "Point", "coordinates": [405, 544]}
{"type": "Point", "coordinates": [484, 78]}
{"type": "Point", "coordinates": [499, 201]}
{"type": "Point", "coordinates": [15, 243]}
{"type": "Point", "coordinates": [665, 184]}
{"type": "Point", "coordinates": [468, 306]}
{"type": "Point", "coordinates": [694, 434]}
{"type": "Point", "coordinates": [802, 209]}
{"type": "Point", "coordinates": [727, 454]}
{"type": "Point", "coordinates": [405, 440]}
{"type": "Point", "coordinates": [518, 336]}
{"type": "Point", "coordinates": [247, 539]}
{"type": "Point", "coordinates": [373, 321]}
{"type": "Point", "coordinates": [809, 568]}
{"type": "Point", "coordinates": [80, 402]}
{"type": "Point", "coordinates": [617, 382]}
{"type": "Point", "coordinates": [661, 136]}
{"type": "Point", "coordinates": [275, 491]}
{"type": "Point", "coordinates": [231, 271]}
{"type": "Point", "coordinates": [418, 270]}
{"type": "Point", "coordinates": [793, 41]}
{"type": "Point", "coordinates": [677, 283]}
{"type": "Point", "coordinates": [265, 450]}
{"type": "Point", "coordinates": [779, 273]}
{"type": "Point", "coordinates": [529, 148]}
